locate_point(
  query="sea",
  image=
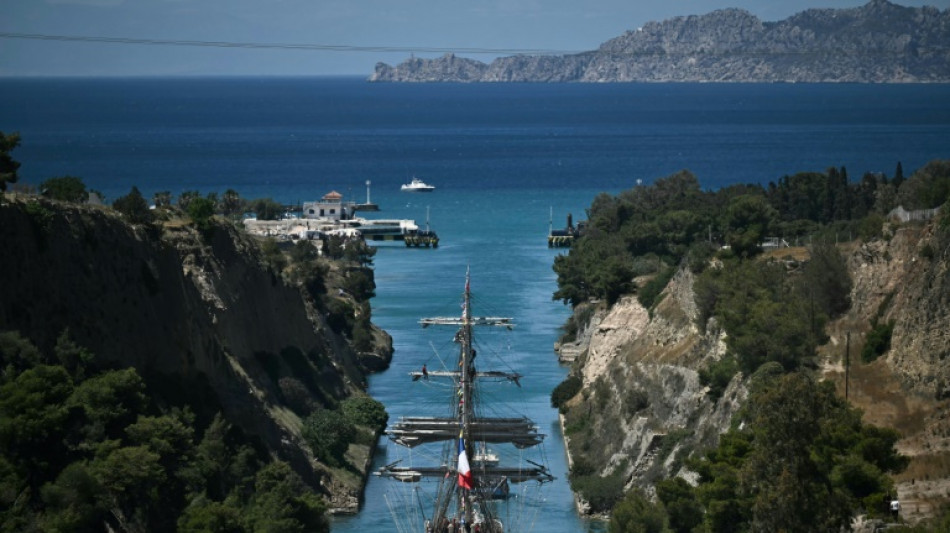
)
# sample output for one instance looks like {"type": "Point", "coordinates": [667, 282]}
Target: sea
{"type": "Point", "coordinates": [509, 161]}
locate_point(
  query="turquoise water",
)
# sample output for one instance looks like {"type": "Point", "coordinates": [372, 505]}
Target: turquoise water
{"type": "Point", "coordinates": [511, 276]}
{"type": "Point", "coordinates": [502, 158]}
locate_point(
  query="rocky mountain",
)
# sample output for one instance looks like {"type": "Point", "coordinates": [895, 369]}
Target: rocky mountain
{"type": "Point", "coordinates": [201, 315]}
{"type": "Point", "coordinates": [644, 411]}
{"type": "Point", "coordinates": [880, 42]}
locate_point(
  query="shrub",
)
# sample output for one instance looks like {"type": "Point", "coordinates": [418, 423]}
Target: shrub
{"type": "Point", "coordinates": [329, 434]}
{"type": "Point", "coordinates": [635, 401]}
{"type": "Point", "coordinates": [362, 336]}
{"type": "Point", "coordinates": [296, 395]}
{"type": "Point", "coordinates": [303, 251]}
{"type": "Point", "coordinates": [41, 217]}
{"type": "Point", "coordinates": [651, 290]}
{"type": "Point", "coordinates": [577, 322]}
{"type": "Point", "coordinates": [566, 390]}
{"type": "Point", "coordinates": [340, 317]}
{"type": "Point", "coordinates": [717, 375]}
{"type": "Point", "coordinates": [637, 513]}
{"type": "Point", "coordinates": [133, 206]}
{"type": "Point", "coordinates": [273, 256]}
{"type": "Point", "coordinates": [201, 210]}
{"type": "Point", "coordinates": [601, 492]}
{"type": "Point", "coordinates": [878, 341]}
{"type": "Point", "coordinates": [365, 411]}
{"type": "Point", "coordinates": [360, 283]}
{"type": "Point", "coordinates": [66, 189]}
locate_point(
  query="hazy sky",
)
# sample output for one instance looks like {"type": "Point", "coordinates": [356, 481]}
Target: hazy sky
{"type": "Point", "coordinates": [429, 28]}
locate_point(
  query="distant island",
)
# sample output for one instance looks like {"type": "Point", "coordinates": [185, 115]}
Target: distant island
{"type": "Point", "coordinates": [880, 42]}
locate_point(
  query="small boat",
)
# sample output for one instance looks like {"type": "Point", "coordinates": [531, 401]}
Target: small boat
{"type": "Point", "coordinates": [486, 457]}
{"type": "Point", "coordinates": [417, 185]}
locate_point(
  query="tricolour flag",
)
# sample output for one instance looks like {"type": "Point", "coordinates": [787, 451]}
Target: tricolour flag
{"type": "Point", "coordinates": [465, 473]}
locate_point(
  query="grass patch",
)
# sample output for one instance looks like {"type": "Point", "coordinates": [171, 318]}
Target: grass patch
{"type": "Point", "coordinates": [926, 467]}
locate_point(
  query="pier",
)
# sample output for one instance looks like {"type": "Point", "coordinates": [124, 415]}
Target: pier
{"type": "Point", "coordinates": [367, 229]}
{"type": "Point", "coordinates": [564, 238]}
{"type": "Point", "coordinates": [331, 216]}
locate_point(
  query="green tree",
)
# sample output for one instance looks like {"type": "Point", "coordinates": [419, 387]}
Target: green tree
{"type": "Point", "coordinates": [878, 341]}
{"type": "Point", "coordinates": [679, 500]}
{"type": "Point", "coordinates": [231, 203]}
{"type": "Point", "coordinates": [16, 355]}
{"type": "Point", "coordinates": [8, 167]}
{"type": "Point", "coordinates": [827, 279]}
{"type": "Point", "coordinates": [133, 206]}
{"type": "Point", "coordinates": [273, 254]}
{"type": "Point", "coordinates": [360, 283]}
{"type": "Point", "coordinates": [33, 415]}
{"type": "Point", "coordinates": [186, 197]}
{"type": "Point", "coordinates": [162, 199]}
{"type": "Point", "coordinates": [169, 436]}
{"type": "Point", "coordinates": [928, 187]}
{"type": "Point", "coordinates": [219, 464]}
{"type": "Point", "coordinates": [898, 175]}
{"type": "Point", "coordinates": [329, 434]}
{"type": "Point", "coordinates": [201, 210]}
{"type": "Point", "coordinates": [208, 516]}
{"type": "Point", "coordinates": [130, 478]}
{"type": "Point", "coordinates": [303, 251]}
{"type": "Point", "coordinates": [804, 461]}
{"type": "Point", "coordinates": [72, 502]}
{"type": "Point", "coordinates": [566, 390]}
{"type": "Point", "coordinates": [108, 403]}
{"type": "Point", "coordinates": [365, 411]}
{"type": "Point", "coordinates": [71, 356]}
{"type": "Point", "coordinates": [266, 209]}
{"type": "Point", "coordinates": [282, 503]}
{"type": "Point", "coordinates": [636, 514]}
{"type": "Point", "coordinates": [66, 189]}
{"type": "Point", "coordinates": [747, 221]}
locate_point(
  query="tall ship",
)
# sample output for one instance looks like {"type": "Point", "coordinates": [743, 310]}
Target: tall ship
{"type": "Point", "coordinates": [481, 469]}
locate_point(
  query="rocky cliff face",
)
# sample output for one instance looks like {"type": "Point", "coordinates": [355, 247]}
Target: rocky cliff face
{"type": "Point", "coordinates": [640, 370]}
{"type": "Point", "coordinates": [202, 314]}
{"type": "Point", "coordinates": [904, 279]}
{"type": "Point", "coordinates": [876, 43]}
{"type": "Point", "coordinates": [642, 391]}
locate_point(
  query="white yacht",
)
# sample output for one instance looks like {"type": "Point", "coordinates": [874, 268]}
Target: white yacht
{"type": "Point", "coordinates": [417, 185]}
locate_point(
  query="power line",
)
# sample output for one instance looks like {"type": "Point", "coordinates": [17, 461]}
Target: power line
{"type": "Point", "coordinates": [281, 46]}
{"type": "Point", "coordinates": [654, 52]}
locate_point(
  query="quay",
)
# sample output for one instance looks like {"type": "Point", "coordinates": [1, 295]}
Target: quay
{"type": "Point", "coordinates": [332, 217]}
{"type": "Point", "coordinates": [564, 238]}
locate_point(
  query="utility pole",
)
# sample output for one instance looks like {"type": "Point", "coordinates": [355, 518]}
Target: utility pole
{"type": "Point", "coordinates": [847, 366]}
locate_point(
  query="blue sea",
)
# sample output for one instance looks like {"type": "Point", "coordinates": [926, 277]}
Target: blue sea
{"type": "Point", "coordinates": [503, 158]}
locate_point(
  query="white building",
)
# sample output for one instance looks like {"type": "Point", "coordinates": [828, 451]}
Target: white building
{"type": "Point", "coordinates": [330, 207]}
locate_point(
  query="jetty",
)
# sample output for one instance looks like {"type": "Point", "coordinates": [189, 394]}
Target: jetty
{"type": "Point", "coordinates": [331, 216]}
{"type": "Point", "coordinates": [368, 205]}
{"type": "Point", "coordinates": [564, 238]}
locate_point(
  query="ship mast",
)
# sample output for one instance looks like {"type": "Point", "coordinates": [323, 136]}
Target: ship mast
{"type": "Point", "coordinates": [470, 495]}
{"type": "Point", "coordinates": [465, 360]}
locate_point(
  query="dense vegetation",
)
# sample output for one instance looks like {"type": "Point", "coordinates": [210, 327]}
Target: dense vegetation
{"type": "Point", "coordinates": [85, 447]}
{"type": "Point", "coordinates": [643, 230]}
{"type": "Point", "coordinates": [798, 458]}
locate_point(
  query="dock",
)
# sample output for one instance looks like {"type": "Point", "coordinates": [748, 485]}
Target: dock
{"type": "Point", "coordinates": [368, 205]}
{"type": "Point", "coordinates": [564, 238]}
{"type": "Point", "coordinates": [295, 229]}
{"type": "Point", "coordinates": [332, 217]}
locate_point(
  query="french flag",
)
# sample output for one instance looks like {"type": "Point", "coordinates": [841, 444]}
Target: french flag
{"type": "Point", "coordinates": [465, 473]}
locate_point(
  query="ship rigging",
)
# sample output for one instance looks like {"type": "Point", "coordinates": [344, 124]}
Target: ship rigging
{"type": "Point", "coordinates": [474, 491]}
